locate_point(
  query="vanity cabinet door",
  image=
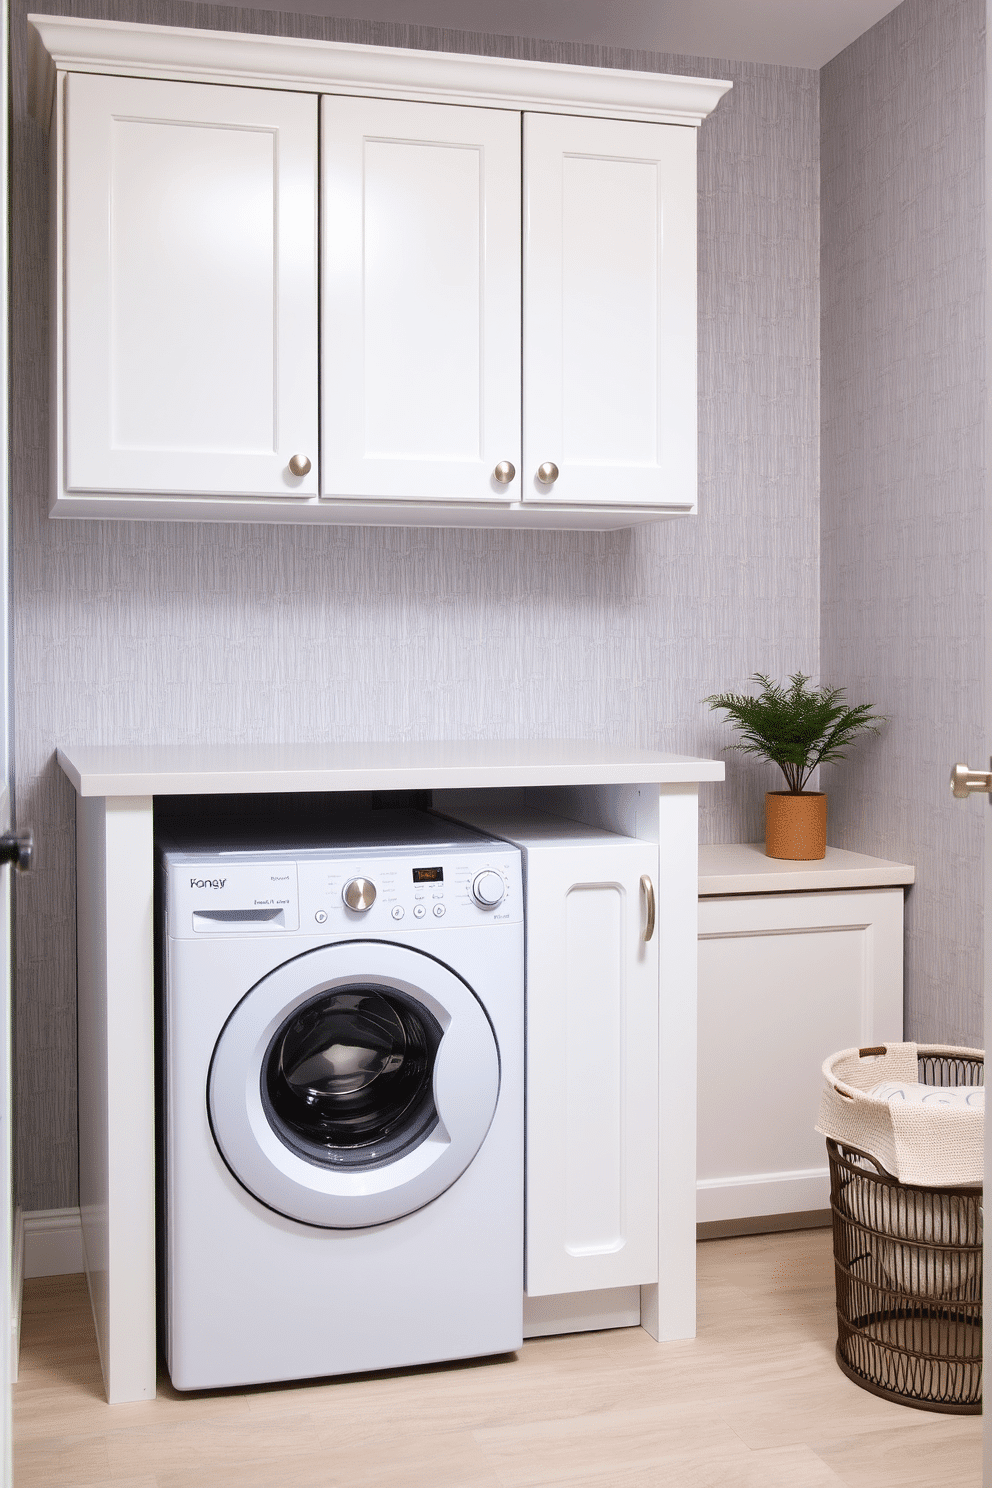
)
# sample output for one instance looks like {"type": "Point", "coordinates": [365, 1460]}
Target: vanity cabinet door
{"type": "Point", "coordinates": [784, 980]}
{"type": "Point", "coordinates": [609, 312]}
{"type": "Point", "coordinates": [420, 300]}
{"type": "Point", "coordinates": [592, 1067]}
{"type": "Point", "coordinates": [190, 288]}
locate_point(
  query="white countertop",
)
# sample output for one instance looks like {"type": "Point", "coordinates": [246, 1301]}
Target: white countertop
{"type": "Point", "coordinates": [206, 769]}
{"type": "Point", "coordinates": [743, 868]}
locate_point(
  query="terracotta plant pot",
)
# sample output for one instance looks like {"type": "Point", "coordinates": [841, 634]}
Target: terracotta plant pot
{"type": "Point", "coordinates": [796, 825]}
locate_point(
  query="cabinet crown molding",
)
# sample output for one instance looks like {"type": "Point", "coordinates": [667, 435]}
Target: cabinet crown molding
{"type": "Point", "coordinates": [65, 44]}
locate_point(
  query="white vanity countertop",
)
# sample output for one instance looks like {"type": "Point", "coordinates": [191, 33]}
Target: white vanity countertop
{"type": "Point", "coordinates": [206, 769]}
{"type": "Point", "coordinates": [743, 868]}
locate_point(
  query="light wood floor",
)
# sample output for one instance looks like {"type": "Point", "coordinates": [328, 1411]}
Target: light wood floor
{"type": "Point", "coordinates": [756, 1401]}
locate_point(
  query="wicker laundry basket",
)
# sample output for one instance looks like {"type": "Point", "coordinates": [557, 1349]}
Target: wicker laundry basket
{"type": "Point", "coordinates": [908, 1269]}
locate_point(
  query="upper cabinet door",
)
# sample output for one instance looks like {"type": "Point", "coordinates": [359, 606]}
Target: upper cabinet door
{"type": "Point", "coordinates": [190, 314]}
{"type": "Point", "coordinates": [420, 300]}
{"type": "Point", "coordinates": [609, 312]}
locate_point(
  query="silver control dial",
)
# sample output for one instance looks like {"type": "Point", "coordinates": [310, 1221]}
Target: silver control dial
{"type": "Point", "coordinates": [359, 893]}
{"type": "Point", "coordinates": [488, 888]}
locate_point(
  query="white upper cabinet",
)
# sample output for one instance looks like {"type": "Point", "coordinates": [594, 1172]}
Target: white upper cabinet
{"type": "Point", "coordinates": [190, 311]}
{"type": "Point", "coordinates": [420, 300]}
{"type": "Point", "coordinates": [506, 331]}
{"type": "Point", "coordinates": [609, 312]}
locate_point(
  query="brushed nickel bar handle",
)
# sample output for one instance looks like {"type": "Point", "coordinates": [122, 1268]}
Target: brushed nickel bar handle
{"type": "Point", "coordinates": [647, 889]}
{"type": "Point", "coordinates": [966, 782]}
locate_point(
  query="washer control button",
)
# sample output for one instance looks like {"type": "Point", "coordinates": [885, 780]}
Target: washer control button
{"type": "Point", "coordinates": [439, 910]}
{"type": "Point", "coordinates": [488, 888]}
{"type": "Point", "coordinates": [419, 910]}
{"type": "Point", "coordinates": [397, 911]}
{"type": "Point", "coordinates": [359, 893]}
{"type": "Point", "coordinates": [321, 916]}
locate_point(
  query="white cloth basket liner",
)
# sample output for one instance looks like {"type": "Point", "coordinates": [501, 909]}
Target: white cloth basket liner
{"type": "Point", "coordinates": [932, 1146]}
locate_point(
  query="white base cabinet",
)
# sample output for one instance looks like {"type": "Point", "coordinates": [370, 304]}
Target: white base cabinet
{"type": "Point", "coordinates": [592, 1053]}
{"type": "Point", "coordinates": [634, 793]}
{"type": "Point", "coordinates": [784, 980]}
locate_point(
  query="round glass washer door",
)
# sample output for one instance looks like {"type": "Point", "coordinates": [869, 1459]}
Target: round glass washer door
{"type": "Point", "coordinates": [353, 1084]}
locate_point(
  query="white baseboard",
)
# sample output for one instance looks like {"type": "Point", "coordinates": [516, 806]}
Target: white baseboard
{"type": "Point", "coordinates": [53, 1242]}
{"type": "Point", "coordinates": [582, 1312]}
{"type": "Point", "coordinates": [748, 1194]}
{"type": "Point", "coordinates": [16, 1292]}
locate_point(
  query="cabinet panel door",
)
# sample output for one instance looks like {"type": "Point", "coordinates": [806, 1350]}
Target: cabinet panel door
{"type": "Point", "coordinates": [592, 1070]}
{"type": "Point", "coordinates": [420, 300]}
{"type": "Point", "coordinates": [190, 316]}
{"type": "Point", "coordinates": [610, 311]}
{"type": "Point", "coordinates": [784, 980]}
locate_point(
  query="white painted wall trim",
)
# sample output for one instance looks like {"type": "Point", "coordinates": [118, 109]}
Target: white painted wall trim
{"type": "Point", "coordinates": [742, 1195]}
{"type": "Point", "coordinates": [53, 1243]}
{"type": "Point", "coordinates": [582, 1312]}
{"type": "Point", "coordinates": [16, 1292]}
{"type": "Point", "coordinates": [64, 44]}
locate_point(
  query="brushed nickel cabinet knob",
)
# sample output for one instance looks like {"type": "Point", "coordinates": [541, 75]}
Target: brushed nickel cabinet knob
{"type": "Point", "coordinates": [504, 472]}
{"type": "Point", "coordinates": [299, 464]}
{"type": "Point", "coordinates": [547, 473]}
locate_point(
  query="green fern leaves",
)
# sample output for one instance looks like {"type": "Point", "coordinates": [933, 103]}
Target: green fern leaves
{"type": "Point", "coordinates": [796, 727]}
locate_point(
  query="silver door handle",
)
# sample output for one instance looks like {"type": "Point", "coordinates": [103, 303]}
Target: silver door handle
{"type": "Point", "coordinates": [647, 889]}
{"type": "Point", "coordinates": [966, 782]}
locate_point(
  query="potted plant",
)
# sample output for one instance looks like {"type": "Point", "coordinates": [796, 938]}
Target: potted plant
{"type": "Point", "coordinates": [797, 728]}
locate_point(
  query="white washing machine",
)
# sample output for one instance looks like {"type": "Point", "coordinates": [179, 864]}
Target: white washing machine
{"type": "Point", "coordinates": [342, 1122]}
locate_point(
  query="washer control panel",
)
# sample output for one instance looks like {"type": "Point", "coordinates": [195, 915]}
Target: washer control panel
{"type": "Point", "coordinates": [412, 892]}
{"type": "Point", "coordinates": [381, 891]}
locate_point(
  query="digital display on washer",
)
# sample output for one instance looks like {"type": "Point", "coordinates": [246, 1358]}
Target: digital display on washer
{"type": "Point", "coordinates": [428, 875]}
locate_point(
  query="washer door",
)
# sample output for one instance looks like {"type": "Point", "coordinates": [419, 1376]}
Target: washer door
{"type": "Point", "coordinates": [353, 1084]}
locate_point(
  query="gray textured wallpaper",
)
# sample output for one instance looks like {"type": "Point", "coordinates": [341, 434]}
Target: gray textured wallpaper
{"type": "Point", "coordinates": [133, 633]}
{"type": "Point", "coordinates": [903, 472]}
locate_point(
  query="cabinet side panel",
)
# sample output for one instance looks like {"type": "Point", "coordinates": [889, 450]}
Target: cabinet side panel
{"type": "Point", "coordinates": [130, 1055]}
{"type": "Point", "coordinates": [668, 1309]}
{"type": "Point", "coordinates": [91, 1016]}
{"type": "Point", "coordinates": [117, 1086]}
